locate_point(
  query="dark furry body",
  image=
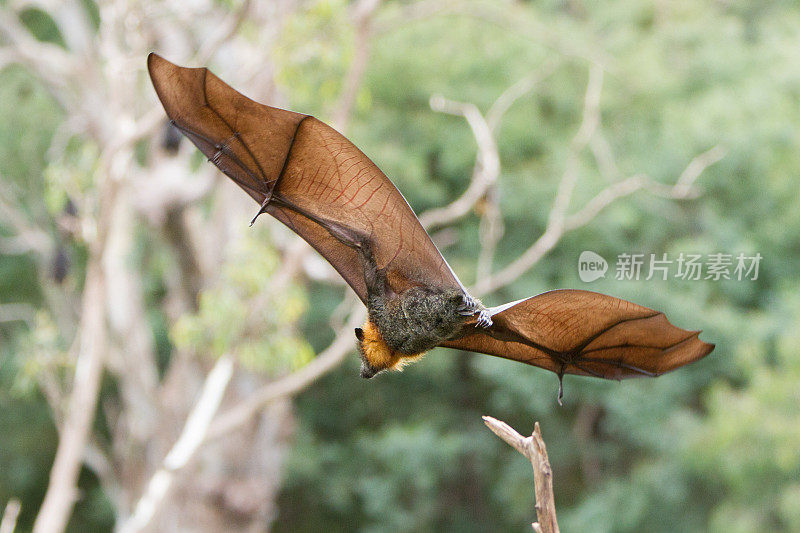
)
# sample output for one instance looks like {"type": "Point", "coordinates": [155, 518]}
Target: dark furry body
{"type": "Point", "coordinates": [413, 321]}
{"type": "Point", "coordinates": [418, 319]}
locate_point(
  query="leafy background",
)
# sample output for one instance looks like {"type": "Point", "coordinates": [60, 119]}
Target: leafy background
{"type": "Point", "coordinates": [714, 446]}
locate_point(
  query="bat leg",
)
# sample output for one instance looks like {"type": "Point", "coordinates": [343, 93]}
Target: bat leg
{"type": "Point", "coordinates": [560, 396]}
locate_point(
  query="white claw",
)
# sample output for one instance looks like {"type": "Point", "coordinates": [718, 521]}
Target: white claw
{"type": "Point", "coordinates": [484, 320]}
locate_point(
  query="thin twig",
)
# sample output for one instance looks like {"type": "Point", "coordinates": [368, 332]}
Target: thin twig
{"type": "Point", "coordinates": [517, 91]}
{"type": "Point", "coordinates": [535, 451]}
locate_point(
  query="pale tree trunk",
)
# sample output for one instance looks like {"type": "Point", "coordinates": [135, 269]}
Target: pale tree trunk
{"type": "Point", "coordinates": [232, 483]}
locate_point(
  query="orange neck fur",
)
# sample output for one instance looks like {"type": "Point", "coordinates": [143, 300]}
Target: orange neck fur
{"type": "Point", "coordinates": [379, 354]}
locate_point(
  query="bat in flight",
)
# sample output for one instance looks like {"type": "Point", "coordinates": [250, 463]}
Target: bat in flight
{"type": "Point", "coordinates": [312, 179]}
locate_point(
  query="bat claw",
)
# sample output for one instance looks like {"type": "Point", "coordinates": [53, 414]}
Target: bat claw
{"type": "Point", "coordinates": [484, 319]}
{"type": "Point", "coordinates": [262, 209]}
{"type": "Point", "coordinates": [471, 307]}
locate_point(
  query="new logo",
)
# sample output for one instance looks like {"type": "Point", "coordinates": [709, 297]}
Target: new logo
{"type": "Point", "coordinates": [591, 266]}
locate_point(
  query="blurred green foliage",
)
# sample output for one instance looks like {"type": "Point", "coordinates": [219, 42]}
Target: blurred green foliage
{"type": "Point", "coordinates": [714, 446]}
{"type": "Point", "coordinates": [245, 314]}
{"type": "Point", "coordinates": [28, 436]}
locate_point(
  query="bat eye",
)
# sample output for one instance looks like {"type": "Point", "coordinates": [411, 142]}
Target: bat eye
{"type": "Point", "coordinates": [359, 334]}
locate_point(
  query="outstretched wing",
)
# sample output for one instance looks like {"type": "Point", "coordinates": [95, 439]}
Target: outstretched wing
{"type": "Point", "coordinates": [585, 333]}
{"type": "Point", "coordinates": [305, 174]}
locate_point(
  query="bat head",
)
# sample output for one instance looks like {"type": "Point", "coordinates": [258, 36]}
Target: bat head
{"type": "Point", "coordinates": [376, 356]}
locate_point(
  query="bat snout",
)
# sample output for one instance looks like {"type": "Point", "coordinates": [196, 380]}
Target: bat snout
{"type": "Point", "coordinates": [367, 371]}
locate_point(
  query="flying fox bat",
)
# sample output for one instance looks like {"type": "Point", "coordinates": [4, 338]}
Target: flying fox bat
{"type": "Point", "coordinates": [316, 182]}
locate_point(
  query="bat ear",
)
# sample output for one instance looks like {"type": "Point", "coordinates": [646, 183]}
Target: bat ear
{"type": "Point", "coordinates": [359, 334]}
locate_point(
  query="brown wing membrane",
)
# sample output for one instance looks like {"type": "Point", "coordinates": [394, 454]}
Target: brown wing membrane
{"type": "Point", "coordinates": [305, 174]}
{"type": "Point", "coordinates": [588, 334]}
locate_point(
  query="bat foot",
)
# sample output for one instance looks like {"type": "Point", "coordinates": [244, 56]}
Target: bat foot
{"type": "Point", "coordinates": [471, 307]}
{"type": "Point", "coordinates": [484, 319]}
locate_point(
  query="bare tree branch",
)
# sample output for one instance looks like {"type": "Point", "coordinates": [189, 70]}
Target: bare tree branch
{"type": "Point", "coordinates": [535, 451]}
{"type": "Point", "coordinates": [92, 353]}
{"type": "Point", "coordinates": [29, 238]}
{"type": "Point", "coordinates": [98, 81]}
{"type": "Point", "coordinates": [487, 165]}
{"type": "Point", "coordinates": [555, 224]}
{"type": "Point", "coordinates": [292, 384]}
{"type": "Point", "coordinates": [132, 354]}
{"type": "Point", "coordinates": [487, 170]}
{"type": "Point", "coordinates": [192, 436]}
{"type": "Point", "coordinates": [696, 167]}
{"type": "Point", "coordinates": [683, 188]}
{"type": "Point", "coordinates": [226, 30]}
{"type": "Point", "coordinates": [517, 91]}
{"type": "Point", "coordinates": [9, 522]}
{"type": "Point", "coordinates": [558, 220]}
{"type": "Point", "coordinates": [50, 62]}
{"type": "Point", "coordinates": [363, 13]}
